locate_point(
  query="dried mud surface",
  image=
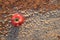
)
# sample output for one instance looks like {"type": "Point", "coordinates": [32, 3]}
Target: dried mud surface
{"type": "Point", "coordinates": [42, 20]}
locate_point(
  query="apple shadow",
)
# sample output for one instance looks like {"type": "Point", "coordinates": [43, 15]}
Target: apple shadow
{"type": "Point", "coordinates": [12, 35]}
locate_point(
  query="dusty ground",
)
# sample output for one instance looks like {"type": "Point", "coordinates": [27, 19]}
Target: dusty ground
{"type": "Point", "coordinates": [42, 20]}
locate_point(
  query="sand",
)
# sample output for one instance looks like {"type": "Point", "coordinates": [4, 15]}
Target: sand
{"type": "Point", "coordinates": [42, 20]}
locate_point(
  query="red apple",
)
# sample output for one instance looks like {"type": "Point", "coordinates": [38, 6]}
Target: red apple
{"type": "Point", "coordinates": [17, 19]}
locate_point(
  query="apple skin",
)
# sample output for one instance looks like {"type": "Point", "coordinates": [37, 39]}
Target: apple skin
{"type": "Point", "coordinates": [20, 21]}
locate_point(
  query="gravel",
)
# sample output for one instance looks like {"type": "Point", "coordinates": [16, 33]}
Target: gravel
{"type": "Point", "coordinates": [37, 27]}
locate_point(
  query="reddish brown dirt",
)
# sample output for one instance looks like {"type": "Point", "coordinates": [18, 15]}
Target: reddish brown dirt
{"type": "Point", "coordinates": [31, 4]}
